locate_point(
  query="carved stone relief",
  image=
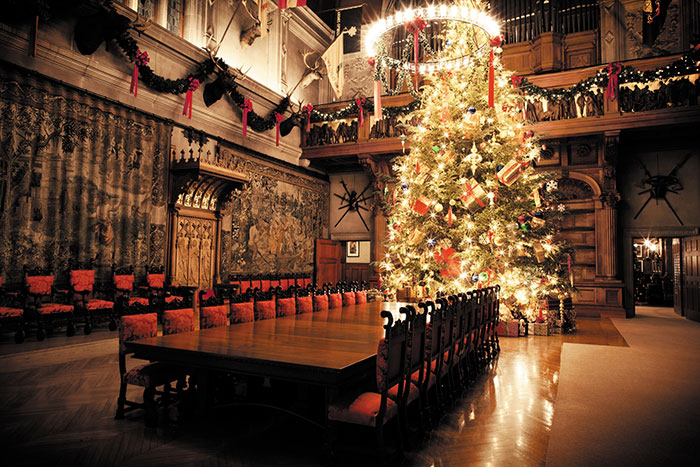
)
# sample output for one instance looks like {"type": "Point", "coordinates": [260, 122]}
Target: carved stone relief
{"type": "Point", "coordinates": [194, 252]}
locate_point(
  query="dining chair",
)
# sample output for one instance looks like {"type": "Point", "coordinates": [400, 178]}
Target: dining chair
{"type": "Point", "coordinates": [286, 304]}
{"type": "Point", "coordinates": [415, 368]}
{"type": "Point", "coordinates": [42, 300]}
{"type": "Point", "coordinates": [242, 308]}
{"type": "Point", "coordinates": [213, 312]}
{"type": "Point", "coordinates": [304, 301]}
{"type": "Point", "coordinates": [82, 293]}
{"type": "Point", "coordinates": [264, 306]}
{"type": "Point", "coordinates": [320, 300]}
{"type": "Point", "coordinates": [148, 375]}
{"type": "Point", "coordinates": [12, 313]}
{"type": "Point", "coordinates": [376, 408]}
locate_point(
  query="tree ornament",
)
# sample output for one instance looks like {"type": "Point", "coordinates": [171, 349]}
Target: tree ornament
{"type": "Point", "coordinates": [438, 207]}
{"type": "Point", "coordinates": [483, 276]}
{"type": "Point", "coordinates": [432, 242]}
{"type": "Point", "coordinates": [510, 173]}
{"type": "Point", "coordinates": [436, 149]}
{"type": "Point", "coordinates": [475, 278]}
{"type": "Point", "coordinates": [404, 186]}
{"type": "Point", "coordinates": [474, 158]}
{"type": "Point", "coordinates": [446, 256]}
{"type": "Point", "coordinates": [552, 185]}
{"type": "Point", "coordinates": [473, 194]}
{"type": "Point", "coordinates": [421, 205]}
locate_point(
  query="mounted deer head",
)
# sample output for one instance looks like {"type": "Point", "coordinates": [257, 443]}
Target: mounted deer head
{"type": "Point", "coordinates": [312, 71]}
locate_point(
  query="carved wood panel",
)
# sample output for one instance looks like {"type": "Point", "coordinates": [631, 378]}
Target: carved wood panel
{"type": "Point", "coordinates": [194, 252]}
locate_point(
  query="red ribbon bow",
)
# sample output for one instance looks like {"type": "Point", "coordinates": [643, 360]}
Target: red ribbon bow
{"type": "Point", "coordinates": [614, 69]}
{"type": "Point", "coordinates": [140, 60]}
{"type": "Point", "coordinates": [445, 256]}
{"type": "Point", "coordinates": [496, 41]}
{"type": "Point", "coordinates": [415, 26]}
{"type": "Point", "coordinates": [516, 80]}
{"type": "Point", "coordinates": [246, 107]}
{"type": "Point", "coordinates": [278, 119]}
{"type": "Point", "coordinates": [360, 102]}
{"type": "Point", "coordinates": [308, 108]}
{"type": "Point", "coordinates": [193, 86]}
{"type": "Point", "coordinates": [372, 61]}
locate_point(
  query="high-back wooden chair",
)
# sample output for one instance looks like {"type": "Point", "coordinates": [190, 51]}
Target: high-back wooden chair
{"type": "Point", "coordinates": [83, 296]}
{"type": "Point", "coordinates": [415, 365]}
{"type": "Point", "coordinates": [376, 409]}
{"type": "Point", "coordinates": [265, 307]}
{"type": "Point", "coordinates": [320, 300]}
{"type": "Point", "coordinates": [213, 312]}
{"type": "Point", "coordinates": [433, 355]}
{"type": "Point", "coordinates": [242, 308]}
{"type": "Point", "coordinates": [12, 313]}
{"type": "Point", "coordinates": [45, 302]}
{"type": "Point", "coordinates": [304, 301]}
{"type": "Point", "coordinates": [124, 298]}
{"type": "Point", "coordinates": [149, 375]}
{"type": "Point", "coordinates": [286, 304]}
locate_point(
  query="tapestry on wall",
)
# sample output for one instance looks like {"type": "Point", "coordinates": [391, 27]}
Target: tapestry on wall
{"type": "Point", "coordinates": [275, 220]}
{"type": "Point", "coordinates": [81, 180]}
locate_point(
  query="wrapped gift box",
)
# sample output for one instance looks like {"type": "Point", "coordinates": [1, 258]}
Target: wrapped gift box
{"type": "Point", "coordinates": [541, 329]}
{"type": "Point", "coordinates": [511, 172]}
{"type": "Point", "coordinates": [474, 197]}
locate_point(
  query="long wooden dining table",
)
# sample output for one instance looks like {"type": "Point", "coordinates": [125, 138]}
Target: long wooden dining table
{"type": "Point", "coordinates": [329, 349]}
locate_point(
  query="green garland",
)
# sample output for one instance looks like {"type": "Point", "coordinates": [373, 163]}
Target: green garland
{"type": "Point", "coordinates": [683, 66]}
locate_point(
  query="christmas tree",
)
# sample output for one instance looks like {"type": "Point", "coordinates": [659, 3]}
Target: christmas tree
{"type": "Point", "coordinates": [468, 208]}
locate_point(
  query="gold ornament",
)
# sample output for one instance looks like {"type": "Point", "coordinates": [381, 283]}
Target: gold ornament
{"type": "Point", "coordinates": [438, 207]}
{"type": "Point", "coordinates": [474, 158]}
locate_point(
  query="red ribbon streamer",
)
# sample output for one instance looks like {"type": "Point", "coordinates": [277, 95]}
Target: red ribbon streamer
{"type": "Point", "coordinates": [140, 60]}
{"type": "Point", "coordinates": [415, 27]}
{"type": "Point", "coordinates": [308, 108]}
{"type": "Point", "coordinates": [246, 107]}
{"type": "Point", "coordinates": [360, 102]}
{"type": "Point", "coordinates": [614, 69]}
{"type": "Point", "coordinates": [491, 80]}
{"type": "Point", "coordinates": [278, 119]}
{"type": "Point", "coordinates": [449, 216]}
{"type": "Point", "coordinates": [194, 84]}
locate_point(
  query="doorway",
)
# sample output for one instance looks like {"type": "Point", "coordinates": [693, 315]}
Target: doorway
{"type": "Point", "coordinates": [654, 272]}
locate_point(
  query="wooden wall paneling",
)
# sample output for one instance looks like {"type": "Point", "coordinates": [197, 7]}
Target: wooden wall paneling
{"type": "Point", "coordinates": [691, 278]}
{"type": "Point", "coordinates": [356, 272]}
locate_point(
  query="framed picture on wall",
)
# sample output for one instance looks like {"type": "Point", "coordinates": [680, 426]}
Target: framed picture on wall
{"type": "Point", "coordinates": [353, 249]}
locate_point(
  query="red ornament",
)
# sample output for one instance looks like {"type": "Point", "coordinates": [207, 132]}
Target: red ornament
{"type": "Point", "coordinates": [496, 41]}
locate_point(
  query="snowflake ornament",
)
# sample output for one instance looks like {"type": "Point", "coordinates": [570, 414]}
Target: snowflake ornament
{"type": "Point", "coordinates": [561, 208]}
{"type": "Point", "coordinates": [552, 185]}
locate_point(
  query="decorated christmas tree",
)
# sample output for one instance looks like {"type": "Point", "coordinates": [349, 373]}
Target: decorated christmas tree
{"type": "Point", "coordinates": [468, 208]}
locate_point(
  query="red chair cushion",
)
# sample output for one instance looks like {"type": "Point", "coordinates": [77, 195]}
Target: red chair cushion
{"type": "Point", "coordinates": [362, 410]}
{"type": "Point", "coordinates": [245, 285]}
{"type": "Point", "coordinates": [413, 393]}
{"type": "Point", "coordinates": [140, 300]}
{"type": "Point", "coordinates": [208, 294]}
{"type": "Point", "coordinates": [305, 305]}
{"type": "Point", "coordinates": [286, 306]}
{"type": "Point", "coordinates": [320, 302]}
{"type": "Point", "coordinates": [265, 285]}
{"type": "Point", "coordinates": [348, 298]}
{"type": "Point", "coordinates": [39, 285]}
{"type": "Point", "coordinates": [172, 298]}
{"type": "Point", "coordinates": [51, 308]}
{"type": "Point", "coordinates": [335, 300]}
{"type": "Point", "coordinates": [265, 310]}
{"type": "Point", "coordinates": [306, 282]}
{"type": "Point", "coordinates": [132, 327]}
{"type": "Point", "coordinates": [6, 312]}
{"type": "Point", "coordinates": [274, 284]}
{"type": "Point", "coordinates": [177, 321]}
{"type": "Point", "coordinates": [152, 374]}
{"type": "Point", "coordinates": [82, 280]}
{"type": "Point", "coordinates": [360, 297]}
{"type": "Point", "coordinates": [213, 316]}
{"type": "Point", "coordinates": [242, 312]}
{"type": "Point", "coordinates": [156, 281]}
{"type": "Point", "coordinates": [96, 304]}
{"type": "Point", "coordinates": [124, 282]}
{"type": "Point", "coordinates": [284, 283]}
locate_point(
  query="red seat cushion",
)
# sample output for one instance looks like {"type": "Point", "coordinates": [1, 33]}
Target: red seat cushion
{"type": "Point", "coordinates": [265, 285]}
{"type": "Point", "coordinates": [360, 297]}
{"type": "Point", "coordinates": [320, 302]}
{"type": "Point", "coordinates": [6, 312]}
{"type": "Point", "coordinates": [362, 410]}
{"type": "Point", "coordinates": [242, 312]}
{"type": "Point", "coordinates": [413, 393]}
{"type": "Point", "coordinates": [245, 285]}
{"type": "Point", "coordinates": [335, 300]}
{"type": "Point", "coordinates": [172, 298]}
{"type": "Point", "coordinates": [124, 282]}
{"type": "Point", "coordinates": [177, 321]}
{"type": "Point", "coordinates": [286, 306]}
{"type": "Point", "coordinates": [152, 374]}
{"type": "Point", "coordinates": [305, 304]}
{"type": "Point", "coordinates": [96, 304]}
{"type": "Point", "coordinates": [39, 285]}
{"type": "Point", "coordinates": [140, 300]}
{"type": "Point", "coordinates": [132, 327]}
{"type": "Point", "coordinates": [82, 280]}
{"type": "Point", "coordinates": [348, 298]}
{"type": "Point", "coordinates": [51, 308]}
{"type": "Point", "coordinates": [213, 316]}
{"type": "Point", "coordinates": [156, 281]}
{"type": "Point", "coordinates": [265, 310]}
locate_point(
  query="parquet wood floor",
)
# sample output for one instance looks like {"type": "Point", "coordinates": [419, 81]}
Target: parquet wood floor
{"type": "Point", "coordinates": [57, 408]}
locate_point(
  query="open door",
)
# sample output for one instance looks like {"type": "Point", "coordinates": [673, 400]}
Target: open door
{"type": "Point", "coordinates": [328, 256]}
{"type": "Point", "coordinates": [691, 277]}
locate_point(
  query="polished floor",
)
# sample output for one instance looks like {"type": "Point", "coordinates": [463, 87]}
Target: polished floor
{"type": "Point", "coordinates": [57, 406]}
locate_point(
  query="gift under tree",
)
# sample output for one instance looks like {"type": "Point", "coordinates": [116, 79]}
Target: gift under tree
{"type": "Point", "coordinates": [468, 208]}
